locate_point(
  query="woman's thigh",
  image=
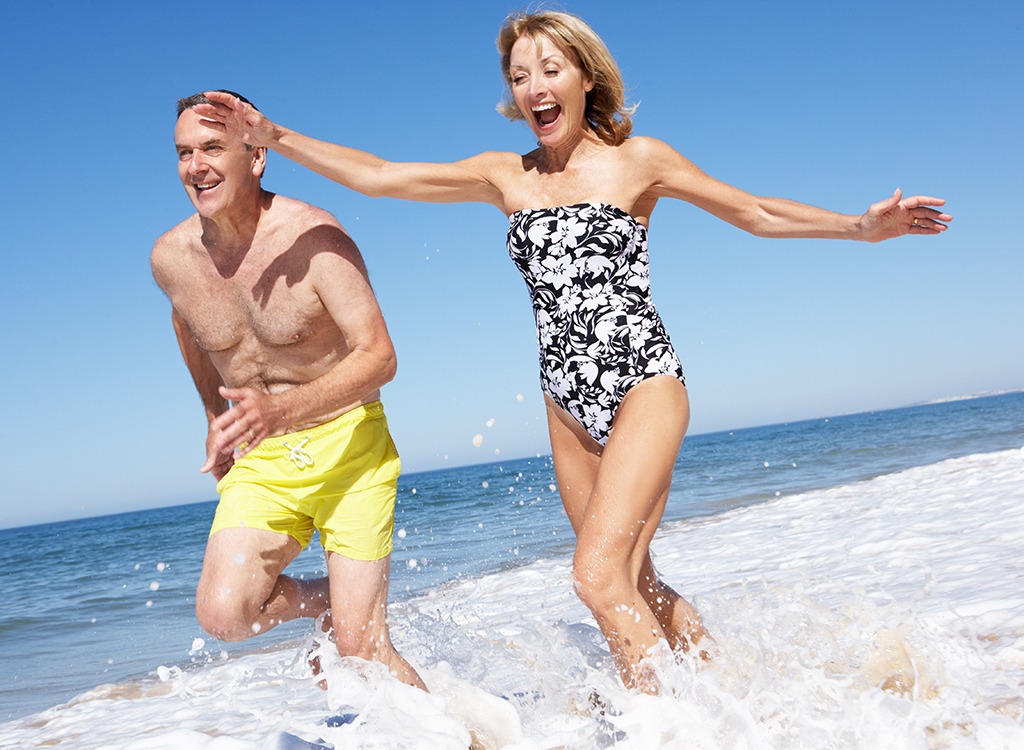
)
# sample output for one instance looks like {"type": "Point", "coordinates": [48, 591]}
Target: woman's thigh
{"type": "Point", "coordinates": [615, 496]}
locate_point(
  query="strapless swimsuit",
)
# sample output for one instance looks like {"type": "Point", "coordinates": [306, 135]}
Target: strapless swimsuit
{"type": "Point", "coordinates": [598, 332]}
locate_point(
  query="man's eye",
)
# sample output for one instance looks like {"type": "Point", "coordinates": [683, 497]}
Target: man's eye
{"type": "Point", "coordinates": [183, 155]}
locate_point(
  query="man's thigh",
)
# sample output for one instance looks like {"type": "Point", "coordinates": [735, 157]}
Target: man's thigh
{"type": "Point", "coordinates": [242, 565]}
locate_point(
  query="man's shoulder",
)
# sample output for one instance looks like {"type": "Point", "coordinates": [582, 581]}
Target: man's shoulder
{"type": "Point", "coordinates": [309, 229]}
{"type": "Point", "coordinates": [300, 214]}
{"type": "Point", "coordinates": [175, 238]}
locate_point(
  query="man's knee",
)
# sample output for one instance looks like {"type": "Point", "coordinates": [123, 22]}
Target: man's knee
{"type": "Point", "coordinates": [225, 617]}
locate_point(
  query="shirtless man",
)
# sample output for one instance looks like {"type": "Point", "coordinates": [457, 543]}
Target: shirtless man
{"type": "Point", "coordinates": [288, 349]}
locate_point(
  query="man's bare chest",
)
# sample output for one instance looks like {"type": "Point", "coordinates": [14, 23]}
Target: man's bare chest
{"type": "Point", "coordinates": [247, 313]}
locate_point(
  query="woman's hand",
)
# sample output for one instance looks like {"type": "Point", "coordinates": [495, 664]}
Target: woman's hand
{"type": "Point", "coordinates": [236, 118]}
{"type": "Point", "coordinates": [896, 216]}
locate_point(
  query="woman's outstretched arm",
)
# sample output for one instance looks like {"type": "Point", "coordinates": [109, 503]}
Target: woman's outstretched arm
{"type": "Point", "coordinates": [672, 175]}
{"type": "Point", "coordinates": [469, 180]}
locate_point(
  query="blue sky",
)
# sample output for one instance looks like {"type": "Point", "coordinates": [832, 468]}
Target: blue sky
{"type": "Point", "coordinates": [828, 103]}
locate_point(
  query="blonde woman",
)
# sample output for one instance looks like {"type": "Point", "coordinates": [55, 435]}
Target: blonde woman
{"type": "Point", "coordinates": [578, 207]}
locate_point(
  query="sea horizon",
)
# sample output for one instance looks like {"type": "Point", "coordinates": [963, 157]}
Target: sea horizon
{"type": "Point", "coordinates": [506, 460]}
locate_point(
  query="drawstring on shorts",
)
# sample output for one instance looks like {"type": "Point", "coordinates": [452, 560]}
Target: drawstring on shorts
{"type": "Point", "coordinates": [298, 456]}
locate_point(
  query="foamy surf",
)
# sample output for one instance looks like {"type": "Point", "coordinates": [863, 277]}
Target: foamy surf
{"type": "Point", "coordinates": [881, 614]}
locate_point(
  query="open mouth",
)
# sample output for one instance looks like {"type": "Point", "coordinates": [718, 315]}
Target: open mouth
{"type": "Point", "coordinates": [546, 114]}
{"type": "Point", "coordinates": [202, 187]}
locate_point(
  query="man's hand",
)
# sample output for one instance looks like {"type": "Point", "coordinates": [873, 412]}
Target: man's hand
{"type": "Point", "coordinates": [252, 417]}
{"type": "Point", "coordinates": [217, 463]}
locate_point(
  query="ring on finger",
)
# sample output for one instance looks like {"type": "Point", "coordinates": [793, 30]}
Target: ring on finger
{"type": "Point", "coordinates": [914, 222]}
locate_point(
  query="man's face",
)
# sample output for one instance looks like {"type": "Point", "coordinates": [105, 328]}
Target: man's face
{"type": "Point", "coordinates": [216, 170]}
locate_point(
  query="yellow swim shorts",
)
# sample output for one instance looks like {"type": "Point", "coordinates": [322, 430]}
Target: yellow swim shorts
{"type": "Point", "coordinates": [340, 477]}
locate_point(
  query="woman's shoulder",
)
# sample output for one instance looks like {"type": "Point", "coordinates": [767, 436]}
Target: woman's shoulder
{"type": "Point", "coordinates": [645, 146]}
{"type": "Point", "coordinates": [653, 158]}
{"type": "Point", "coordinates": [492, 159]}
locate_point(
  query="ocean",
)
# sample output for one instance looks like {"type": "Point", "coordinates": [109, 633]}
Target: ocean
{"type": "Point", "coordinates": [863, 577]}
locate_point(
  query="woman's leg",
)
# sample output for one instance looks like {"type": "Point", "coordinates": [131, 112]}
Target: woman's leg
{"type": "Point", "coordinates": [615, 498]}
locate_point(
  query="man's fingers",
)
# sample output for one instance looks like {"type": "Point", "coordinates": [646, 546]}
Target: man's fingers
{"type": "Point", "coordinates": [208, 466]}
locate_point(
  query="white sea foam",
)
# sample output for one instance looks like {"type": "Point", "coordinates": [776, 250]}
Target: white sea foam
{"type": "Point", "coordinates": [972, 396]}
{"type": "Point", "coordinates": [882, 614]}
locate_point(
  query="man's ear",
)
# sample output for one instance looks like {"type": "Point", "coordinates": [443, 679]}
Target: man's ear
{"type": "Point", "coordinates": [259, 160]}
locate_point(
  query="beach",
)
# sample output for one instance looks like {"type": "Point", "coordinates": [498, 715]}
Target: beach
{"type": "Point", "coordinates": [861, 575]}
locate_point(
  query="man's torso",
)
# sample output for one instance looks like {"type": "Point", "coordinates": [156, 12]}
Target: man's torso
{"type": "Point", "coordinates": [257, 314]}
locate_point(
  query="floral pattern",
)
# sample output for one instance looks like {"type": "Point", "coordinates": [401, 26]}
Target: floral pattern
{"type": "Point", "coordinates": [586, 266]}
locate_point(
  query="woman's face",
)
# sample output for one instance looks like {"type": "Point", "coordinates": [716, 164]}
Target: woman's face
{"type": "Point", "coordinates": [549, 90]}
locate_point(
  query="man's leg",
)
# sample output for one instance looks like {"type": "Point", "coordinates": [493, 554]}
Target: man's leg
{"type": "Point", "coordinates": [359, 604]}
{"type": "Point", "coordinates": [241, 590]}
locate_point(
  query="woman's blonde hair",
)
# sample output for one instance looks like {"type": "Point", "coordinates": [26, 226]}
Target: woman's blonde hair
{"type": "Point", "coordinates": [606, 109]}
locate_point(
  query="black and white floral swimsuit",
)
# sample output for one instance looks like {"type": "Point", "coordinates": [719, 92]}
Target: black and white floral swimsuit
{"type": "Point", "coordinates": [598, 332]}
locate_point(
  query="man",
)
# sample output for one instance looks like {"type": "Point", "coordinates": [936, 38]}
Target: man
{"type": "Point", "coordinates": [288, 349]}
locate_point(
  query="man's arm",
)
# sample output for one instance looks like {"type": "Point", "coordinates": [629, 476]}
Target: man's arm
{"type": "Point", "coordinates": [341, 281]}
{"type": "Point", "coordinates": [208, 384]}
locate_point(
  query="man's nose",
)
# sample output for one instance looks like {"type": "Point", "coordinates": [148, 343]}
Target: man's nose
{"type": "Point", "coordinates": [196, 162]}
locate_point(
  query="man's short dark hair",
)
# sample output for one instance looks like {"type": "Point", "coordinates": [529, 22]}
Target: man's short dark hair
{"type": "Point", "coordinates": [190, 101]}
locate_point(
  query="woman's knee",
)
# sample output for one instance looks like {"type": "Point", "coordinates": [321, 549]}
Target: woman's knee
{"type": "Point", "coordinates": [598, 582]}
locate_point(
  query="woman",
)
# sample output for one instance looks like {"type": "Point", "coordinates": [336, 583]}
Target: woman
{"type": "Point", "coordinates": [578, 207]}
